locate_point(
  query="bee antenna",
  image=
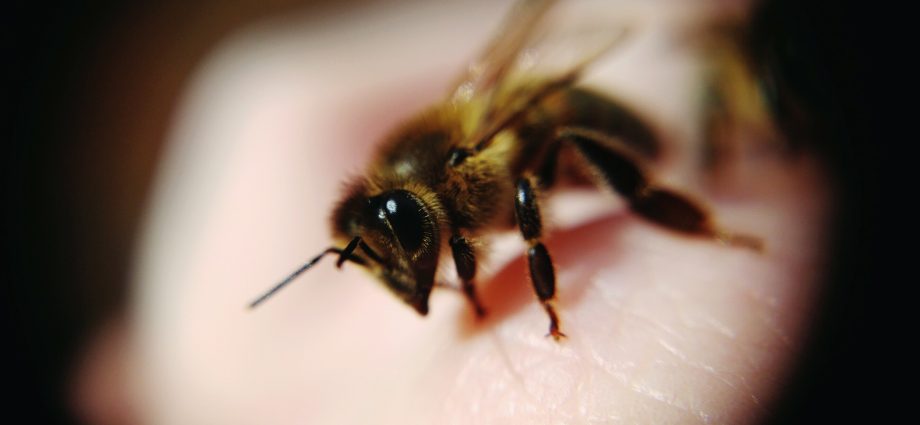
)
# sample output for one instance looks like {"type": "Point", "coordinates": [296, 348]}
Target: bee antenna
{"type": "Point", "coordinates": [344, 255]}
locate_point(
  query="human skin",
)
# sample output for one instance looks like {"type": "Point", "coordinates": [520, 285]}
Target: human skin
{"type": "Point", "coordinates": [661, 328]}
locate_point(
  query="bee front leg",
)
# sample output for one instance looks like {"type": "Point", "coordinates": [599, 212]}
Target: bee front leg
{"type": "Point", "coordinates": [542, 273]}
{"type": "Point", "coordinates": [621, 169]}
{"type": "Point", "coordinates": [465, 260]}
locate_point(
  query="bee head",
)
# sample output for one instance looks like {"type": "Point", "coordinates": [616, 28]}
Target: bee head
{"type": "Point", "coordinates": [400, 239]}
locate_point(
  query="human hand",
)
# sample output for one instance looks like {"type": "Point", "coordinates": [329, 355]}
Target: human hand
{"type": "Point", "coordinates": [661, 327]}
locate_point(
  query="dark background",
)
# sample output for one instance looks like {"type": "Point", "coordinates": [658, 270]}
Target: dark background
{"type": "Point", "coordinates": [91, 89]}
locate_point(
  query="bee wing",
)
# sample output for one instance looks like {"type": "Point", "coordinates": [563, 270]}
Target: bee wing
{"type": "Point", "coordinates": [503, 50]}
{"type": "Point", "coordinates": [542, 50]}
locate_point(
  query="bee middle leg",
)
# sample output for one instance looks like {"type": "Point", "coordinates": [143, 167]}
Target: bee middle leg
{"type": "Point", "coordinates": [465, 260]}
{"type": "Point", "coordinates": [542, 273]}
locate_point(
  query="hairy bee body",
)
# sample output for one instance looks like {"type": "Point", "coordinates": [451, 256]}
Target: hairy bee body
{"type": "Point", "coordinates": [476, 194]}
{"type": "Point", "coordinates": [458, 193]}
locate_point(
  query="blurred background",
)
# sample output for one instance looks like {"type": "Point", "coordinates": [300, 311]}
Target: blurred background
{"type": "Point", "coordinates": [92, 90]}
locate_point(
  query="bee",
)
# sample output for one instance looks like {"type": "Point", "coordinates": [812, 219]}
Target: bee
{"type": "Point", "coordinates": [477, 163]}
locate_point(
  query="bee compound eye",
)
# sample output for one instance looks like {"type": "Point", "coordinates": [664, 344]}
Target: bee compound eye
{"type": "Point", "coordinates": [407, 217]}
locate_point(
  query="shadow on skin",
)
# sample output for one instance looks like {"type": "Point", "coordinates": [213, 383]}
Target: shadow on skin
{"type": "Point", "coordinates": [510, 289]}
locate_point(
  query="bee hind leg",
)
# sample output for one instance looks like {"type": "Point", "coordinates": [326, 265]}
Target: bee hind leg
{"type": "Point", "coordinates": [465, 260]}
{"type": "Point", "coordinates": [542, 273]}
{"type": "Point", "coordinates": [621, 169]}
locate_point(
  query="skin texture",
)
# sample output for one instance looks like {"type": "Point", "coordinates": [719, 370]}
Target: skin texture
{"type": "Point", "coordinates": [662, 328]}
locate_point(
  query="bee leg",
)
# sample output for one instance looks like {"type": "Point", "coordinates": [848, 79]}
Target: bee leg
{"type": "Point", "coordinates": [621, 169]}
{"type": "Point", "coordinates": [546, 173]}
{"type": "Point", "coordinates": [465, 260]}
{"type": "Point", "coordinates": [542, 274]}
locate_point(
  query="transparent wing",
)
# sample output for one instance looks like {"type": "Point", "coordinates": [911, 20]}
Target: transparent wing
{"type": "Point", "coordinates": [503, 50]}
{"type": "Point", "coordinates": [544, 47]}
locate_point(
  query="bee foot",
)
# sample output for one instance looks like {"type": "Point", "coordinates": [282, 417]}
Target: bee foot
{"type": "Point", "coordinates": [556, 334]}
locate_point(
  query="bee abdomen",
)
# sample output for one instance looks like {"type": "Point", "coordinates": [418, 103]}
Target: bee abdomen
{"type": "Point", "coordinates": [587, 109]}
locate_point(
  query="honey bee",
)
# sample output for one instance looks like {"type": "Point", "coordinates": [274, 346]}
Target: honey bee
{"type": "Point", "coordinates": [476, 163]}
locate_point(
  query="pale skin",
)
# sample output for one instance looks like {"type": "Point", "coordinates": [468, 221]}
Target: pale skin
{"type": "Point", "coordinates": [661, 328]}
